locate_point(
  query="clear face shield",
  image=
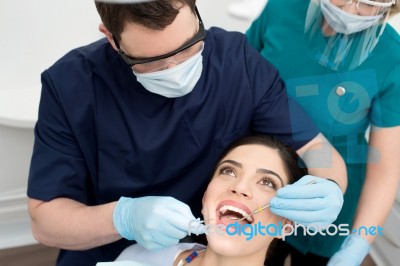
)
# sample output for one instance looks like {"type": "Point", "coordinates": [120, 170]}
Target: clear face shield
{"type": "Point", "coordinates": [341, 34]}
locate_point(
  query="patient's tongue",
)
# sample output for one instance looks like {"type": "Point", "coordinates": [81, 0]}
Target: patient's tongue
{"type": "Point", "coordinates": [232, 217]}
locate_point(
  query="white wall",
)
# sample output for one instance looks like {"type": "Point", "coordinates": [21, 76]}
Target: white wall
{"type": "Point", "coordinates": [395, 22]}
{"type": "Point", "coordinates": [214, 13]}
{"type": "Point", "coordinates": [35, 33]}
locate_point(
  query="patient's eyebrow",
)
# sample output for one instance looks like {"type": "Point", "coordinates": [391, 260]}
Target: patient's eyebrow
{"type": "Point", "coordinates": [235, 163]}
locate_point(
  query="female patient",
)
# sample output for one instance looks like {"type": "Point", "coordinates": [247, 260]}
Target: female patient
{"type": "Point", "coordinates": [246, 177]}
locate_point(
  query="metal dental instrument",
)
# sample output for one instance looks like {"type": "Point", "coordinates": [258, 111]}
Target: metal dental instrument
{"type": "Point", "coordinates": [260, 209]}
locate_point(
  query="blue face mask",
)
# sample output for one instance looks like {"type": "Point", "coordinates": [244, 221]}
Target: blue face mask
{"type": "Point", "coordinates": [344, 22]}
{"type": "Point", "coordinates": [176, 81]}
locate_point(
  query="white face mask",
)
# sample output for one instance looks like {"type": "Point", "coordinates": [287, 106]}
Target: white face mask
{"type": "Point", "coordinates": [176, 81]}
{"type": "Point", "coordinates": [344, 22]}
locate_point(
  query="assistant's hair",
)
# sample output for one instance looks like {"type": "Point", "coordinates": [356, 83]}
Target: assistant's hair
{"type": "Point", "coordinates": [154, 15]}
{"type": "Point", "coordinates": [294, 166]}
{"type": "Point", "coordinates": [395, 9]}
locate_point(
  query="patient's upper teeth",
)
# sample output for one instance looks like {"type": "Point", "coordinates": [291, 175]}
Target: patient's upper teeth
{"type": "Point", "coordinates": [224, 208]}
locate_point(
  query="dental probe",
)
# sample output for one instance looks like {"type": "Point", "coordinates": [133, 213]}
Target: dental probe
{"type": "Point", "coordinates": [260, 209]}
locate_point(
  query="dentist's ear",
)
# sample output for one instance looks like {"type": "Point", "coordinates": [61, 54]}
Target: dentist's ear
{"type": "Point", "coordinates": [108, 34]}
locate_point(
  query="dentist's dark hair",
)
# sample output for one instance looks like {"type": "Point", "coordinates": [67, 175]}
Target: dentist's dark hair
{"type": "Point", "coordinates": [154, 15]}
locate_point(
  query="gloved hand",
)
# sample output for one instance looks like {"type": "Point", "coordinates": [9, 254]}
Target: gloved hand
{"type": "Point", "coordinates": [154, 222]}
{"type": "Point", "coordinates": [351, 253]}
{"type": "Point", "coordinates": [318, 204]}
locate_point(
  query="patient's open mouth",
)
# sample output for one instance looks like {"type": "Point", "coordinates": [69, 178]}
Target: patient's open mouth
{"type": "Point", "coordinates": [231, 214]}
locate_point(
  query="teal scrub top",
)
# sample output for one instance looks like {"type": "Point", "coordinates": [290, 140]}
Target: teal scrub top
{"type": "Point", "coordinates": [370, 97]}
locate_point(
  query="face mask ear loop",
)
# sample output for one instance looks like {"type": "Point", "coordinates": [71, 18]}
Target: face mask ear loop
{"type": "Point", "coordinates": [357, 5]}
{"type": "Point", "coordinates": [385, 20]}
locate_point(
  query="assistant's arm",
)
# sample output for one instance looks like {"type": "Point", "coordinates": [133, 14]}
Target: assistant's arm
{"type": "Point", "coordinates": [382, 178]}
{"type": "Point", "coordinates": [68, 224]}
{"type": "Point", "coordinates": [377, 196]}
{"type": "Point", "coordinates": [323, 160]}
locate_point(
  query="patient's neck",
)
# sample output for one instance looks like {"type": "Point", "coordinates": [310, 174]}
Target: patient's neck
{"type": "Point", "coordinates": [211, 258]}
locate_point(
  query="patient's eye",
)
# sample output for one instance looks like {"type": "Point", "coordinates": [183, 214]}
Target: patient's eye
{"type": "Point", "coordinates": [268, 182]}
{"type": "Point", "coordinates": [226, 170]}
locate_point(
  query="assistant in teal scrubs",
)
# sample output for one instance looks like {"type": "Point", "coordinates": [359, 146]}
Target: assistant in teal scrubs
{"type": "Point", "coordinates": [347, 78]}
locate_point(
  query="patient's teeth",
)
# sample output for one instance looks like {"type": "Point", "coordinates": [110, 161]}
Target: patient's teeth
{"type": "Point", "coordinates": [225, 208]}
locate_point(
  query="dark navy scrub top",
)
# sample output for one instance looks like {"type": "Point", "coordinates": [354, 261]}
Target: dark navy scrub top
{"type": "Point", "coordinates": [101, 135]}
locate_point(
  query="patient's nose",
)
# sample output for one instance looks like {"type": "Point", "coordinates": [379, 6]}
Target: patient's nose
{"type": "Point", "coordinates": [241, 189]}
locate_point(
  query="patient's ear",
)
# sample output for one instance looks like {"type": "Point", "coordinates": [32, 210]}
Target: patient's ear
{"type": "Point", "coordinates": [287, 226]}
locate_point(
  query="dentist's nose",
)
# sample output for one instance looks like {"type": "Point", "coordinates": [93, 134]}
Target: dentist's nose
{"type": "Point", "coordinates": [171, 64]}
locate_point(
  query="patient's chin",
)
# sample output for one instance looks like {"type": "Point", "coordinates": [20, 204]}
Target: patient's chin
{"type": "Point", "coordinates": [237, 246]}
{"type": "Point", "coordinates": [224, 245]}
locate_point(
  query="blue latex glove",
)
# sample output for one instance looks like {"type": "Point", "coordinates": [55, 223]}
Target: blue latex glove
{"type": "Point", "coordinates": [317, 204]}
{"type": "Point", "coordinates": [154, 222]}
{"type": "Point", "coordinates": [351, 253]}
